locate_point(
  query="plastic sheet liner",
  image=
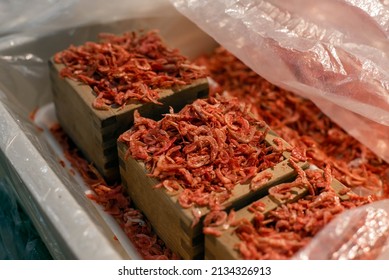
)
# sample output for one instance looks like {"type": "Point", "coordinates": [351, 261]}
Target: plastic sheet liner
{"type": "Point", "coordinates": [316, 49]}
{"type": "Point", "coordinates": [334, 53]}
{"type": "Point", "coordinates": [69, 223]}
{"type": "Point", "coordinates": [313, 48]}
{"type": "Point", "coordinates": [361, 233]}
{"type": "Point", "coordinates": [42, 16]}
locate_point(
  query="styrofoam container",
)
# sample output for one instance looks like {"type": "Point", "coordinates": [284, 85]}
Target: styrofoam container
{"type": "Point", "coordinates": [71, 225]}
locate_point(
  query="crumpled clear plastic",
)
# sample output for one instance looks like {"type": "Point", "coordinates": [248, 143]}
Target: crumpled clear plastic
{"type": "Point", "coordinates": [333, 52]}
{"type": "Point", "coordinates": [50, 15]}
{"type": "Point", "coordinates": [360, 233]}
{"type": "Point", "coordinates": [70, 224]}
{"type": "Point", "coordinates": [17, 15]}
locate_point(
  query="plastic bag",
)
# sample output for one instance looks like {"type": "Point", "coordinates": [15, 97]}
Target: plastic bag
{"type": "Point", "coordinates": [298, 45]}
{"type": "Point", "coordinates": [69, 223]}
{"type": "Point", "coordinates": [17, 15]}
{"type": "Point", "coordinates": [315, 49]}
{"type": "Point", "coordinates": [360, 233]}
{"type": "Point", "coordinates": [50, 15]}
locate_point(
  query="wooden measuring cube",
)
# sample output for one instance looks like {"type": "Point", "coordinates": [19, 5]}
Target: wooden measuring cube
{"type": "Point", "coordinates": [174, 223]}
{"type": "Point", "coordinates": [222, 248]}
{"type": "Point", "coordinates": [95, 132]}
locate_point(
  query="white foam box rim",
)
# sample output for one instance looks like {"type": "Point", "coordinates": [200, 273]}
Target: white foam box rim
{"type": "Point", "coordinates": [69, 224]}
{"type": "Point", "coordinates": [43, 194]}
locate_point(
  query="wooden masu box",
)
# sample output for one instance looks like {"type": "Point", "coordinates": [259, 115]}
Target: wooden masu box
{"type": "Point", "coordinates": [95, 132]}
{"type": "Point", "coordinates": [223, 247]}
{"type": "Point", "coordinates": [174, 223]}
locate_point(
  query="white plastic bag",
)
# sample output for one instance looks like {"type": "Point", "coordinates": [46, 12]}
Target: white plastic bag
{"type": "Point", "coordinates": [50, 15]}
{"type": "Point", "coordinates": [360, 233]}
{"type": "Point", "coordinates": [314, 48]}
{"type": "Point", "coordinates": [333, 52]}
{"type": "Point", "coordinates": [68, 222]}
